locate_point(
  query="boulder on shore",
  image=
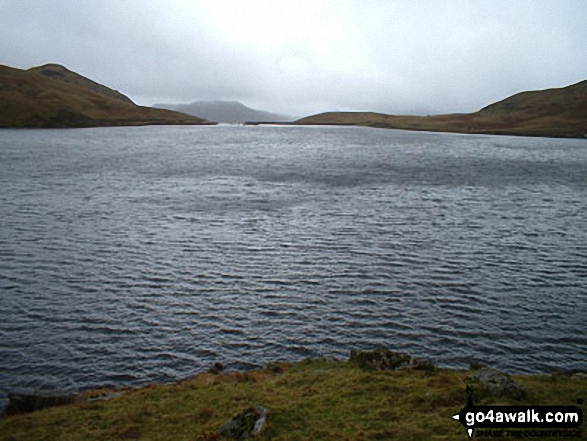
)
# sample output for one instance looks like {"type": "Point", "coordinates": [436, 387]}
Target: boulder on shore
{"type": "Point", "coordinates": [487, 381]}
{"type": "Point", "coordinates": [382, 359]}
{"type": "Point", "coordinates": [216, 368]}
{"type": "Point", "coordinates": [26, 403]}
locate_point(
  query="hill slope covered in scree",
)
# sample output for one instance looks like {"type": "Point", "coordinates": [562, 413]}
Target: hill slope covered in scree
{"type": "Point", "coordinates": [226, 112]}
{"type": "Point", "coordinates": [560, 113]}
{"type": "Point", "coordinates": [51, 96]}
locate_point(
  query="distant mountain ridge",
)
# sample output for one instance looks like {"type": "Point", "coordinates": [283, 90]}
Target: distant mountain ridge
{"type": "Point", "coordinates": [559, 112]}
{"type": "Point", "coordinates": [225, 112]}
{"type": "Point", "coordinates": [52, 96]}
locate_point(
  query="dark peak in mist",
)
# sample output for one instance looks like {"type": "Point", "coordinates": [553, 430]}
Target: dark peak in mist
{"type": "Point", "coordinates": [225, 112]}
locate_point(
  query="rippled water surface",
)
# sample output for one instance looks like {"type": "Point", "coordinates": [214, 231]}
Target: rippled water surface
{"type": "Point", "coordinates": [133, 255]}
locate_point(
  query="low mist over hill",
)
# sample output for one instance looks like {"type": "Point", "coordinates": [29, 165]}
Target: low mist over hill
{"type": "Point", "coordinates": [560, 112]}
{"type": "Point", "coordinates": [51, 96]}
{"type": "Point", "coordinates": [226, 112]}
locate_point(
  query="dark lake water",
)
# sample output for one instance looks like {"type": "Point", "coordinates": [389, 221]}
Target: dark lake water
{"type": "Point", "coordinates": [136, 255]}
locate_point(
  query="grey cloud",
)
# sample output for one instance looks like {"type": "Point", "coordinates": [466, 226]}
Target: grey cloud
{"type": "Point", "coordinates": [392, 56]}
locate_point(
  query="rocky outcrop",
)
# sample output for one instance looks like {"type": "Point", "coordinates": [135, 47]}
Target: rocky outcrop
{"type": "Point", "coordinates": [382, 359]}
{"type": "Point", "coordinates": [26, 403]}
{"type": "Point", "coordinates": [248, 423]}
{"type": "Point", "coordinates": [487, 381]}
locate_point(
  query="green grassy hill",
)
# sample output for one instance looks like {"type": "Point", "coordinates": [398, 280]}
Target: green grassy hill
{"type": "Point", "coordinates": [52, 96]}
{"type": "Point", "coordinates": [550, 113]}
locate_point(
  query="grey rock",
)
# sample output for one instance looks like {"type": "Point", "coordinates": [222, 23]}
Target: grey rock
{"type": "Point", "coordinates": [248, 423]}
{"type": "Point", "coordinates": [497, 384]}
{"type": "Point", "coordinates": [216, 369]}
{"type": "Point", "coordinates": [382, 359]}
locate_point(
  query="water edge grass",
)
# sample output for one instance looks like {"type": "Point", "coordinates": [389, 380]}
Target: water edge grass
{"type": "Point", "coordinates": [310, 400]}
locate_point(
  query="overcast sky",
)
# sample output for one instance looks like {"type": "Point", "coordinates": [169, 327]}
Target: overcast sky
{"type": "Point", "coordinates": [307, 56]}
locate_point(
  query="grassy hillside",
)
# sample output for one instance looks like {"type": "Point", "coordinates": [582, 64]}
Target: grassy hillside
{"type": "Point", "coordinates": [51, 96]}
{"type": "Point", "coordinates": [551, 113]}
{"type": "Point", "coordinates": [313, 400]}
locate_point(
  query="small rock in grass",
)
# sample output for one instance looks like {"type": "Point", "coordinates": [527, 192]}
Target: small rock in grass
{"type": "Point", "coordinates": [248, 423]}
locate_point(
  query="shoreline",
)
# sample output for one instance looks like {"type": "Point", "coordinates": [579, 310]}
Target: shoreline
{"type": "Point", "coordinates": [220, 368]}
{"type": "Point", "coordinates": [376, 394]}
{"type": "Point", "coordinates": [384, 126]}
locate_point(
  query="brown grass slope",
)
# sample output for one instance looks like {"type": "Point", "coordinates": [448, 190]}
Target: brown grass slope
{"type": "Point", "coordinates": [52, 96]}
{"type": "Point", "coordinates": [558, 112]}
